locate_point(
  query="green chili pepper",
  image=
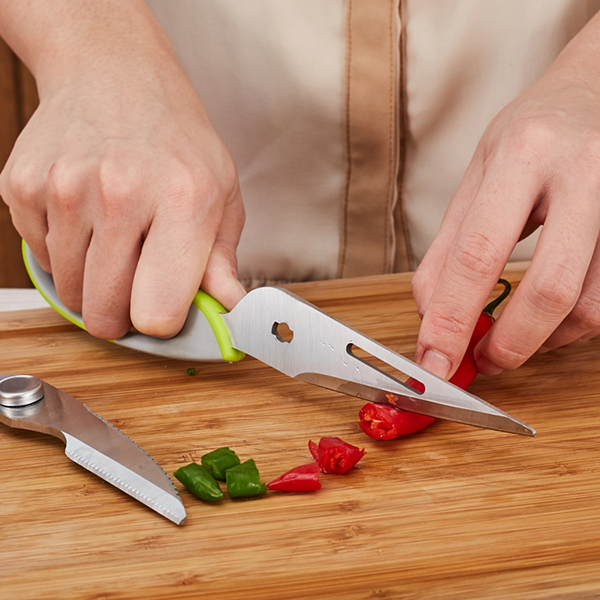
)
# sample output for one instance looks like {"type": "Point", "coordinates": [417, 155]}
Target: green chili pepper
{"type": "Point", "coordinates": [200, 482]}
{"type": "Point", "coordinates": [219, 461]}
{"type": "Point", "coordinates": [243, 481]}
{"type": "Point", "coordinates": [191, 371]}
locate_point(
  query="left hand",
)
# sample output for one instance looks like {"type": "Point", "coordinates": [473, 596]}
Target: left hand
{"type": "Point", "coordinates": [538, 162]}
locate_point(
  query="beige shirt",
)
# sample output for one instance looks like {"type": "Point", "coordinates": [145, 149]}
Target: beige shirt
{"type": "Point", "coordinates": [351, 122]}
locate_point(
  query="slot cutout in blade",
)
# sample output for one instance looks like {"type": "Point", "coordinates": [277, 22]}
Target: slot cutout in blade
{"type": "Point", "coordinates": [385, 368]}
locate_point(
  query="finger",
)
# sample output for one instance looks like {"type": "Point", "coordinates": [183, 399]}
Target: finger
{"type": "Point", "coordinates": [551, 285]}
{"type": "Point", "coordinates": [427, 274]}
{"type": "Point", "coordinates": [220, 276]}
{"type": "Point", "coordinates": [67, 251]}
{"type": "Point", "coordinates": [67, 248]}
{"type": "Point", "coordinates": [586, 338]}
{"type": "Point", "coordinates": [473, 263]}
{"type": "Point", "coordinates": [583, 322]}
{"type": "Point", "coordinates": [110, 265]}
{"type": "Point", "coordinates": [22, 190]}
{"type": "Point", "coordinates": [172, 262]}
{"type": "Point", "coordinates": [68, 192]}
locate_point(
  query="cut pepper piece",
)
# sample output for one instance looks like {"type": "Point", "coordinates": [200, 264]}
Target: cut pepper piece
{"type": "Point", "coordinates": [299, 479]}
{"type": "Point", "coordinates": [333, 455]}
{"type": "Point", "coordinates": [243, 480]}
{"type": "Point", "coordinates": [384, 422]}
{"type": "Point", "coordinates": [219, 461]}
{"type": "Point", "coordinates": [200, 482]}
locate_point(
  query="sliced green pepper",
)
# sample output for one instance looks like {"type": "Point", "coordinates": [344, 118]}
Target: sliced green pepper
{"type": "Point", "coordinates": [243, 481]}
{"type": "Point", "coordinates": [200, 482]}
{"type": "Point", "coordinates": [219, 461]}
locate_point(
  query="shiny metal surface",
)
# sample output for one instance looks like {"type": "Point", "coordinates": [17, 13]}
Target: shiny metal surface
{"type": "Point", "coordinates": [324, 351]}
{"type": "Point", "coordinates": [20, 390]}
{"type": "Point", "coordinates": [97, 446]}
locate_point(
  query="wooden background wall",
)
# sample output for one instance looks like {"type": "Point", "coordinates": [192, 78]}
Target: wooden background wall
{"type": "Point", "coordinates": [18, 100]}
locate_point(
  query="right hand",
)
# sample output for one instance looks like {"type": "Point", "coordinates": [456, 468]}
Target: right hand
{"type": "Point", "coordinates": [124, 192]}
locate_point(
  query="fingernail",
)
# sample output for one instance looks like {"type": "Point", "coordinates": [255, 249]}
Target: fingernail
{"type": "Point", "coordinates": [487, 367]}
{"type": "Point", "coordinates": [436, 363]}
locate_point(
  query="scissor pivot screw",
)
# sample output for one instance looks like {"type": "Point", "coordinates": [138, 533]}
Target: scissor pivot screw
{"type": "Point", "coordinates": [20, 390]}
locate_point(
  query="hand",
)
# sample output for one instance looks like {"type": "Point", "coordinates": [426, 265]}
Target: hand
{"type": "Point", "coordinates": [123, 190]}
{"type": "Point", "coordinates": [537, 163]}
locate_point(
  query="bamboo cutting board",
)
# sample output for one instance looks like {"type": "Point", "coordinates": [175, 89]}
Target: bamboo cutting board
{"type": "Point", "coordinates": [450, 512]}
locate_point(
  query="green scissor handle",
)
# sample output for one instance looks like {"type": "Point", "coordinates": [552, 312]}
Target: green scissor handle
{"type": "Point", "coordinates": [195, 342]}
{"type": "Point", "coordinates": [212, 309]}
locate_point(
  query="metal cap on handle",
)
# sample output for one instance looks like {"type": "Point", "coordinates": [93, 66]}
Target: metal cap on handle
{"type": "Point", "coordinates": [20, 390]}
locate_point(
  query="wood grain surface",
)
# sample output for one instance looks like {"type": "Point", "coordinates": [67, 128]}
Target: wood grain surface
{"type": "Point", "coordinates": [450, 512]}
{"type": "Point", "coordinates": [18, 101]}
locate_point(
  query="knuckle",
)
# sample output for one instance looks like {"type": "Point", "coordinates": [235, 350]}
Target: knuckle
{"type": "Point", "coordinates": [449, 325]}
{"type": "Point", "coordinates": [447, 332]}
{"type": "Point", "coordinates": [530, 136]}
{"type": "Point", "coordinates": [65, 184]}
{"type": "Point", "coordinates": [477, 253]}
{"type": "Point", "coordinates": [555, 294]}
{"type": "Point", "coordinates": [506, 356]}
{"type": "Point", "coordinates": [189, 189]}
{"type": "Point", "coordinates": [20, 181]}
{"type": "Point", "coordinates": [184, 186]}
{"type": "Point", "coordinates": [117, 184]}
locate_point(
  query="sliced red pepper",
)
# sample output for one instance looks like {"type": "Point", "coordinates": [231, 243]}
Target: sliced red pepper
{"type": "Point", "coordinates": [333, 455]}
{"type": "Point", "coordinates": [384, 422]}
{"type": "Point", "coordinates": [300, 479]}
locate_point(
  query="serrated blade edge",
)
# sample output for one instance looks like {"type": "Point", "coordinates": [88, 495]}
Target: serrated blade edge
{"type": "Point", "coordinates": [125, 479]}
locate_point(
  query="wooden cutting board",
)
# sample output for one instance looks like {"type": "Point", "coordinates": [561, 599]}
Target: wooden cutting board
{"type": "Point", "coordinates": [450, 512]}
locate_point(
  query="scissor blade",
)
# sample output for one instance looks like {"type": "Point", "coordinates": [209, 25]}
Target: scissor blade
{"type": "Point", "coordinates": [323, 351]}
{"type": "Point", "coordinates": [97, 446]}
{"type": "Point", "coordinates": [466, 408]}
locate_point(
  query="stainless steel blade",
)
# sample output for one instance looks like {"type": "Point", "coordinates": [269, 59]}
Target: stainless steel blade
{"type": "Point", "coordinates": [29, 403]}
{"type": "Point", "coordinates": [322, 351]}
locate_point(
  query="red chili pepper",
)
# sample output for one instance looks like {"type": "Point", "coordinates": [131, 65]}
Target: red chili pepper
{"type": "Point", "coordinates": [384, 422]}
{"type": "Point", "coordinates": [300, 479]}
{"type": "Point", "coordinates": [333, 455]}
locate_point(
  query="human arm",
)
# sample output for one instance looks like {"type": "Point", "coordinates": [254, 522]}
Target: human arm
{"type": "Point", "coordinates": [119, 183]}
{"type": "Point", "coordinates": [537, 163]}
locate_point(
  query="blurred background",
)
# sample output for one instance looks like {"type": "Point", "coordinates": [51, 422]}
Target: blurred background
{"type": "Point", "coordinates": [18, 101]}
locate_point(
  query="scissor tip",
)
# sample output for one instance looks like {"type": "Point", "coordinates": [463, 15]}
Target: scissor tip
{"type": "Point", "coordinates": [521, 429]}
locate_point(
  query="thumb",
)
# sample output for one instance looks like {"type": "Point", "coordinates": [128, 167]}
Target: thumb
{"type": "Point", "coordinates": [220, 276]}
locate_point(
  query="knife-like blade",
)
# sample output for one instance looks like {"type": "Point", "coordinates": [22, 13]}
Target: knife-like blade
{"type": "Point", "coordinates": [322, 351]}
{"type": "Point", "coordinates": [29, 403]}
